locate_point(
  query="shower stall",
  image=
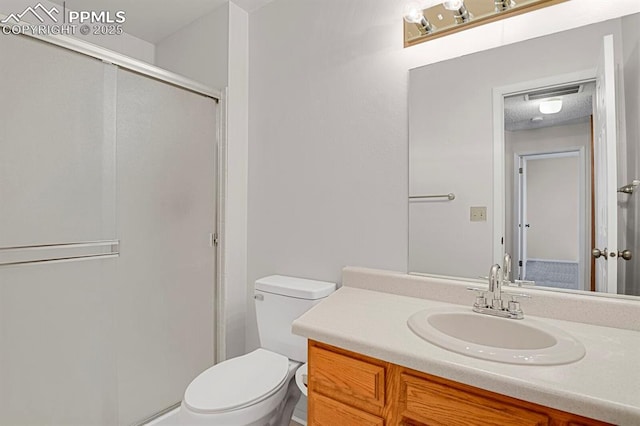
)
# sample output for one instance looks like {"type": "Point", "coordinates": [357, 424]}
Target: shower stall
{"type": "Point", "coordinates": [107, 248]}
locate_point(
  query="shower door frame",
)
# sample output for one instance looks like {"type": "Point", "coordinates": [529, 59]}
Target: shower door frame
{"type": "Point", "coordinates": [123, 61]}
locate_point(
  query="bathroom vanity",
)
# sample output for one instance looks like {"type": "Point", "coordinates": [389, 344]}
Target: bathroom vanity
{"type": "Point", "coordinates": [366, 367]}
{"type": "Point", "coordinates": [349, 388]}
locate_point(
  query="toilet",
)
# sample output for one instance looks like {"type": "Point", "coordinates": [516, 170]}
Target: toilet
{"type": "Point", "coordinates": [259, 388]}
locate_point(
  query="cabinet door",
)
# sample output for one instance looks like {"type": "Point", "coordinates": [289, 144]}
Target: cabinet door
{"type": "Point", "coordinates": [324, 411]}
{"type": "Point", "coordinates": [431, 403]}
{"type": "Point", "coordinates": [352, 381]}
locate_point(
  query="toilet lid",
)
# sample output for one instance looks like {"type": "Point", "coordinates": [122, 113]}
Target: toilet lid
{"type": "Point", "coordinates": [237, 382]}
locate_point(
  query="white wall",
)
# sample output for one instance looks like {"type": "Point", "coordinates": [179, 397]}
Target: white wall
{"type": "Point", "coordinates": [328, 128]}
{"type": "Point", "coordinates": [125, 44]}
{"type": "Point", "coordinates": [552, 208]}
{"type": "Point", "coordinates": [199, 50]}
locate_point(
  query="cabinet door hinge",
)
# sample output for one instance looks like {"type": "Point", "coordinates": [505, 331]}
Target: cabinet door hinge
{"type": "Point", "coordinates": [213, 239]}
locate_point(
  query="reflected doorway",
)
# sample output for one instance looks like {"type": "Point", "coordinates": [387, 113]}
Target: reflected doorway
{"type": "Point", "coordinates": [549, 197]}
{"type": "Point", "coordinates": [548, 176]}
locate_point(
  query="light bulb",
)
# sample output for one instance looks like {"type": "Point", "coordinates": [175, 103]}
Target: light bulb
{"type": "Point", "coordinates": [453, 4]}
{"type": "Point", "coordinates": [412, 12]}
{"type": "Point", "coordinates": [552, 106]}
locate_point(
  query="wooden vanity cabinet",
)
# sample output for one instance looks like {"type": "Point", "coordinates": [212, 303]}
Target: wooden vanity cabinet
{"type": "Point", "coordinates": [349, 389]}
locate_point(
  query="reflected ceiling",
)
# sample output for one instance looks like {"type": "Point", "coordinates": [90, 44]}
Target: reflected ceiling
{"type": "Point", "coordinates": [524, 114]}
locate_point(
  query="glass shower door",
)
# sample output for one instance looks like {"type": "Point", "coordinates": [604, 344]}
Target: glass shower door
{"type": "Point", "coordinates": [107, 216]}
{"type": "Point", "coordinates": [166, 217]}
{"type": "Point", "coordinates": [58, 239]}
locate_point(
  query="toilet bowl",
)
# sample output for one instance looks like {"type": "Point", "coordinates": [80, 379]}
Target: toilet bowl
{"type": "Point", "coordinates": [259, 388]}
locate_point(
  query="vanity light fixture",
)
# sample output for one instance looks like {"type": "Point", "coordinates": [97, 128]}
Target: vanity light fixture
{"type": "Point", "coordinates": [460, 12]}
{"type": "Point", "coordinates": [502, 5]}
{"type": "Point", "coordinates": [413, 14]}
{"type": "Point", "coordinates": [552, 106]}
{"type": "Point", "coordinates": [452, 16]}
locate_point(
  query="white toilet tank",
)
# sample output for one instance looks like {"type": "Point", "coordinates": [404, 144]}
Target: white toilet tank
{"type": "Point", "coordinates": [279, 301]}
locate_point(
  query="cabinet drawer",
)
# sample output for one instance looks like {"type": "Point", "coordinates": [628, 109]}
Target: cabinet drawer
{"type": "Point", "coordinates": [352, 381]}
{"type": "Point", "coordinates": [423, 401]}
{"type": "Point", "coordinates": [327, 412]}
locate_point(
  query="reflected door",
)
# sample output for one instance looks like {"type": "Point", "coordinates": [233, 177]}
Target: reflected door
{"type": "Point", "coordinates": [605, 171]}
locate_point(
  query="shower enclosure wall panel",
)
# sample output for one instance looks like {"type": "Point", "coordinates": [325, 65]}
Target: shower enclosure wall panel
{"type": "Point", "coordinates": [90, 152]}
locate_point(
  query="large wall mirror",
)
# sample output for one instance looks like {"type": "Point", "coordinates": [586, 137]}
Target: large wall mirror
{"type": "Point", "coordinates": [531, 149]}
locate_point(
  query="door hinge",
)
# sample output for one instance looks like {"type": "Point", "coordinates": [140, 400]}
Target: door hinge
{"type": "Point", "coordinates": [520, 263]}
{"type": "Point", "coordinates": [213, 240]}
{"type": "Point", "coordinates": [502, 240]}
{"type": "Point", "coordinates": [520, 170]}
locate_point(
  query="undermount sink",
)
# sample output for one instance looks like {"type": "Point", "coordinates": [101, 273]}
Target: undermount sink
{"type": "Point", "coordinates": [504, 340]}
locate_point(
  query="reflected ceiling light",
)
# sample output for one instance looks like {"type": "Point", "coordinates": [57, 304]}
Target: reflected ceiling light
{"type": "Point", "coordinates": [413, 13]}
{"type": "Point", "coordinates": [460, 12]}
{"type": "Point", "coordinates": [552, 106]}
{"type": "Point", "coordinates": [502, 5]}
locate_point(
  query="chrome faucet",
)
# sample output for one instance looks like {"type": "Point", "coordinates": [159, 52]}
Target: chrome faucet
{"type": "Point", "coordinates": [496, 307]}
{"type": "Point", "coordinates": [506, 268]}
{"type": "Point", "coordinates": [495, 286]}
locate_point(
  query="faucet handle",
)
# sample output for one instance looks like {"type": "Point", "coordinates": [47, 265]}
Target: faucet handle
{"type": "Point", "coordinates": [513, 306]}
{"type": "Point", "coordinates": [481, 299]}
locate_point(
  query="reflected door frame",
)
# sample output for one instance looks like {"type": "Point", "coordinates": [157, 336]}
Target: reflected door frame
{"type": "Point", "coordinates": [521, 224]}
{"type": "Point", "coordinates": [499, 175]}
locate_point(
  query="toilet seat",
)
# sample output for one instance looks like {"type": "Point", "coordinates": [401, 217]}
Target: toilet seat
{"type": "Point", "coordinates": [237, 383]}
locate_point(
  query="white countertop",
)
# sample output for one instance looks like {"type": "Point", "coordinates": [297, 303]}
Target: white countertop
{"type": "Point", "coordinates": [604, 385]}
